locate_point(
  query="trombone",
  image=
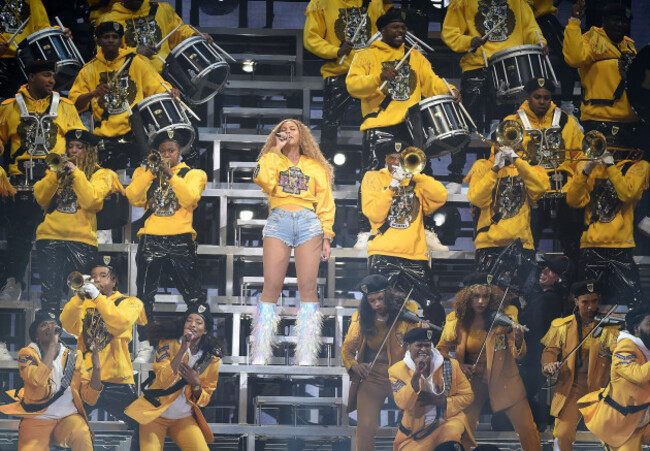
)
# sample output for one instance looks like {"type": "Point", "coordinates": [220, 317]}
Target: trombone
{"type": "Point", "coordinates": [594, 146]}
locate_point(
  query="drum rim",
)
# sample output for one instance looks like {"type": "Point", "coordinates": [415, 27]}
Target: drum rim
{"type": "Point", "coordinates": [434, 100]}
{"type": "Point", "coordinates": [451, 133]}
{"type": "Point", "coordinates": [186, 43]}
{"type": "Point", "coordinates": [46, 32]}
{"type": "Point", "coordinates": [500, 54]}
{"type": "Point", "coordinates": [154, 98]}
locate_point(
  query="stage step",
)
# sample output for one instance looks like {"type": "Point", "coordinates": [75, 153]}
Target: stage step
{"type": "Point", "coordinates": [260, 114]}
{"type": "Point", "coordinates": [247, 224]}
{"type": "Point", "coordinates": [247, 282]}
{"type": "Point", "coordinates": [297, 402]}
{"type": "Point", "coordinates": [239, 166]}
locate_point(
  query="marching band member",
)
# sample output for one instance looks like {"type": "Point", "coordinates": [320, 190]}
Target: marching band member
{"type": "Point", "coordinates": [186, 371]}
{"type": "Point", "coordinates": [331, 33]}
{"type": "Point", "coordinates": [110, 84]}
{"type": "Point", "coordinates": [618, 414]}
{"type": "Point", "coordinates": [369, 325]}
{"type": "Point", "coordinates": [51, 404]}
{"type": "Point", "coordinates": [494, 375]}
{"type": "Point", "coordinates": [433, 392]}
{"type": "Point", "coordinates": [102, 318]}
{"type": "Point", "coordinates": [396, 202]}
{"type": "Point", "coordinates": [170, 191]}
{"type": "Point", "coordinates": [66, 240]}
{"type": "Point", "coordinates": [298, 180]}
{"type": "Point", "coordinates": [586, 370]}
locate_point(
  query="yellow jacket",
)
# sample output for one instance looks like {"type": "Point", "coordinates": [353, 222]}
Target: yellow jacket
{"type": "Point", "coordinates": [417, 81]}
{"type": "Point", "coordinates": [330, 22]}
{"type": "Point", "coordinates": [543, 7]}
{"type": "Point", "coordinates": [354, 345]}
{"type": "Point", "coordinates": [488, 190]}
{"type": "Point", "coordinates": [184, 198]}
{"type": "Point", "coordinates": [141, 82]}
{"type": "Point", "coordinates": [99, 7]}
{"type": "Point", "coordinates": [597, 60]}
{"type": "Point", "coordinates": [560, 339]}
{"type": "Point", "coordinates": [465, 20]}
{"type": "Point", "coordinates": [139, 28]}
{"type": "Point", "coordinates": [144, 412]}
{"type": "Point", "coordinates": [305, 184]}
{"type": "Point", "coordinates": [380, 204]}
{"type": "Point", "coordinates": [504, 383]}
{"type": "Point", "coordinates": [11, 130]}
{"type": "Point", "coordinates": [74, 219]}
{"type": "Point", "coordinates": [629, 387]}
{"type": "Point", "coordinates": [79, 315]}
{"type": "Point", "coordinates": [609, 198]}
{"type": "Point", "coordinates": [38, 20]}
{"type": "Point", "coordinates": [6, 189]}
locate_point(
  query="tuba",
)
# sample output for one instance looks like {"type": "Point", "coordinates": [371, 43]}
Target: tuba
{"type": "Point", "coordinates": [56, 161]}
{"type": "Point", "coordinates": [594, 145]}
{"type": "Point", "coordinates": [413, 160]}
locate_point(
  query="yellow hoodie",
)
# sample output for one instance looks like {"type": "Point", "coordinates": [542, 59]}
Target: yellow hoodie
{"type": "Point", "coordinates": [543, 7]}
{"type": "Point", "coordinates": [597, 60]}
{"type": "Point", "coordinates": [330, 22]}
{"type": "Point", "coordinates": [418, 81]}
{"type": "Point", "coordinates": [16, 13]}
{"type": "Point", "coordinates": [140, 82]}
{"type": "Point", "coordinates": [465, 20]}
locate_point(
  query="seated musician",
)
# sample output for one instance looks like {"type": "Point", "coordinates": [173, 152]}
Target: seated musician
{"type": "Point", "coordinates": [102, 318]}
{"type": "Point", "coordinates": [369, 325]}
{"type": "Point", "coordinates": [586, 370]}
{"type": "Point", "coordinates": [186, 371]}
{"type": "Point", "coordinates": [384, 112]}
{"type": "Point", "coordinates": [71, 195]}
{"type": "Point", "coordinates": [492, 370]}
{"type": "Point", "coordinates": [57, 383]}
{"type": "Point", "coordinates": [433, 392]}
{"type": "Point", "coordinates": [146, 23]}
{"type": "Point", "coordinates": [170, 192]}
{"type": "Point", "coordinates": [396, 202]}
{"type": "Point", "coordinates": [110, 85]}
{"type": "Point", "coordinates": [618, 414]}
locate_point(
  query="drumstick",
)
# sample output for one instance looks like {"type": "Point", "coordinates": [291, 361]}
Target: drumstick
{"type": "Point", "coordinates": [419, 41]}
{"type": "Point", "coordinates": [215, 44]}
{"type": "Point", "coordinates": [181, 102]}
{"type": "Point", "coordinates": [548, 60]}
{"type": "Point", "coordinates": [383, 85]}
{"type": "Point", "coordinates": [19, 30]}
{"type": "Point", "coordinates": [460, 105]}
{"type": "Point", "coordinates": [485, 58]}
{"type": "Point", "coordinates": [113, 80]}
{"type": "Point", "coordinates": [488, 34]}
{"type": "Point", "coordinates": [58, 21]}
{"type": "Point", "coordinates": [356, 33]}
{"type": "Point", "coordinates": [162, 41]}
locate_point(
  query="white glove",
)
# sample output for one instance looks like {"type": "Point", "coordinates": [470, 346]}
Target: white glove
{"type": "Point", "coordinates": [510, 153]}
{"type": "Point", "coordinates": [589, 166]}
{"type": "Point", "coordinates": [607, 158]}
{"type": "Point", "coordinates": [398, 175]}
{"type": "Point", "coordinates": [91, 290]}
{"type": "Point", "coordinates": [500, 159]}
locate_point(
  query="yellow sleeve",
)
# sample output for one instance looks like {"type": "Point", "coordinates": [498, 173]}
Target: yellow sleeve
{"type": "Point", "coordinates": [352, 343]}
{"type": "Point", "coordinates": [432, 193]}
{"type": "Point", "coordinates": [325, 207]}
{"type": "Point", "coordinates": [208, 383]}
{"type": "Point", "coordinates": [517, 353]}
{"type": "Point", "coordinates": [403, 393]}
{"type": "Point", "coordinates": [149, 78]}
{"type": "Point", "coordinates": [454, 28]}
{"type": "Point", "coordinates": [6, 189]}
{"type": "Point", "coordinates": [630, 187]}
{"type": "Point", "coordinates": [459, 401]}
{"type": "Point", "coordinates": [88, 394]}
{"type": "Point", "coordinates": [534, 177]}
{"type": "Point", "coordinates": [363, 78]}
{"type": "Point", "coordinates": [576, 50]}
{"type": "Point", "coordinates": [448, 338]}
{"type": "Point", "coordinates": [113, 181]}
{"type": "Point", "coordinates": [188, 189]}
{"type": "Point", "coordinates": [162, 365]}
{"type": "Point", "coordinates": [90, 194]}
{"type": "Point", "coordinates": [482, 184]}
{"type": "Point", "coordinates": [266, 173]}
{"type": "Point", "coordinates": [81, 86]}
{"type": "Point", "coordinates": [572, 136]}
{"type": "Point", "coordinates": [625, 365]}
{"type": "Point", "coordinates": [72, 121]}
{"type": "Point", "coordinates": [529, 23]}
{"type": "Point", "coordinates": [5, 113]}
{"type": "Point", "coordinates": [431, 84]}
{"type": "Point", "coordinates": [578, 191]}
{"type": "Point", "coordinates": [376, 199]}
{"type": "Point", "coordinates": [45, 188]}
{"type": "Point", "coordinates": [33, 371]}
{"type": "Point", "coordinates": [120, 318]}
{"type": "Point", "coordinates": [72, 316]}
{"type": "Point", "coordinates": [136, 192]}
{"type": "Point", "coordinates": [38, 15]}
{"type": "Point", "coordinates": [314, 36]}
{"type": "Point", "coordinates": [171, 21]}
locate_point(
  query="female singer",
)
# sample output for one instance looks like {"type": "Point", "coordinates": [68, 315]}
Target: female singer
{"type": "Point", "coordinates": [298, 180]}
{"type": "Point", "coordinates": [495, 376]}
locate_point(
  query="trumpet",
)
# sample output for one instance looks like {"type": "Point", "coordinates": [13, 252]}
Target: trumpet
{"type": "Point", "coordinates": [594, 145]}
{"type": "Point", "coordinates": [76, 281]}
{"type": "Point", "coordinates": [153, 161]}
{"type": "Point", "coordinates": [413, 160]}
{"type": "Point", "coordinates": [55, 162]}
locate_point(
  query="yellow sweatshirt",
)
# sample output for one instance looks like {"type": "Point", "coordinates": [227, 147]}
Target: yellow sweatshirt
{"type": "Point", "coordinates": [609, 198]}
{"type": "Point", "coordinates": [14, 14]}
{"type": "Point", "coordinates": [543, 7]}
{"type": "Point", "coordinates": [510, 193]}
{"type": "Point", "coordinates": [405, 212]}
{"type": "Point", "coordinates": [11, 130]}
{"type": "Point", "coordinates": [331, 22]}
{"type": "Point", "coordinates": [305, 184]}
{"type": "Point", "coordinates": [140, 29]}
{"type": "Point", "coordinates": [416, 82]}
{"type": "Point", "coordinates": [183, 195]}
{"type": "Point", "coordinates": [465, 20]}
{"type": "Point", "coordinates": [110, 112]}
{"type": "Point", "coordinates": [597, 60]}
{"type": "Point", "coordinates": [74, 215]}
{"type": "Point", "coordinates": [99, 7]}
{"type": "Point", "coordinates": [87, 317]}
{"type": "Point", "coordinates": [5, 187]}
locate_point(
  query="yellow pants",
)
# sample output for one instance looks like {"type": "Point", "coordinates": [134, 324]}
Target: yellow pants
{"type": "Point", "coordinates": [370, 398]}
{"type": "Point", "coordinates": [640, 436]}
{"type": "Point", "coordinates": [567, 423]}
{"type": "Point", "coordinates": [184, 432]}
{"type": "Point", "coordinates": [69, 432]}
{"type": "Point", "coordinates": [450, 431]}
{"type": "Point", "coordinates": [519, 415]}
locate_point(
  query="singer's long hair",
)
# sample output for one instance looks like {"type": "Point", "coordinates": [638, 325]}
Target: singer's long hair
{"type": "Point", "coordinates": [463, 304]}
{"type": "Point", "coordinates": [393, 299]}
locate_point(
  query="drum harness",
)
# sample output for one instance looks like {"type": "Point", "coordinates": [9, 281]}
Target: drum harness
{"type": "Point", "coordinates": [625, 58]}
{"type": "Point", "coordinates": [387, 100]}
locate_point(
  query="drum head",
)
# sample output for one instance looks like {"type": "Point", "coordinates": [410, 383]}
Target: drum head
{"type": "Point", "coordinates": [638, 83]}
{"type": "Point", "coordinates": [210, 82]}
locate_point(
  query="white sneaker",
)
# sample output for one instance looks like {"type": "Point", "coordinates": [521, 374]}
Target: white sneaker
{"type": "Point", "coordinates": [453, 188]}
{"type": "Point", "coordinates": [4, 353]}
{"type": "Point", "coordinates": [362, 241]}
{"type": "Point", "coordinates": [11, 291]}
{"type": "Point", "coordinates": [104, 237]}
{"type": "Point", "coordinates": [145, 353]}
{"type": "Point", "coordinates": [433, 243]}
{"type": "Point", "coordinates": [644, 225]}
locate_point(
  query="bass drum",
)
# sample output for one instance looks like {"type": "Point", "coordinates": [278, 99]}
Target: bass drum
{"type": "Point", "coordinates": [638, 84]}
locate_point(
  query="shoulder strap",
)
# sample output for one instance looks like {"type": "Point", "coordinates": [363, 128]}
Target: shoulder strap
{"type": "Point", "coordinates": [183, 172]}
{"type": "Point", "coordinates": [524, 119]}
{"type": "Point", "coordinates": [20, 101]}
{"type": "Point", "coordinates": [118, 300]}
{"type": "Point", "coordinates": [387, 100]}
{"type": "Point", "coordinates": [557, 115]}
{"type": "Point", "coordinates": [54, 104]}
{"type": "Point", "coordinates": [153, 10]}
{"type": "Point", "coordinates": [70, 365]}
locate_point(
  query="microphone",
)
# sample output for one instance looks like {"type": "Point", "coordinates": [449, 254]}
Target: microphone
{"type": "Point", "coordinates": [411, 317]}
{"type": "Point", "coordinates": [280, 135]}
{"type": "Point", "coordinates": [501, 319]}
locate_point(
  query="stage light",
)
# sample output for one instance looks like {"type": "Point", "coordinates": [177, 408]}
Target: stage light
{"type": "Point", "coordinates": [439, 218]}
{"type": "Point", "coordinates": [248, 65]}
{"type": "Point", "coordinates": [447, 224]}
{"type": "Point", "coordinates": [339, 159]}
{"type": "Point", "coordinates": [245, 215]}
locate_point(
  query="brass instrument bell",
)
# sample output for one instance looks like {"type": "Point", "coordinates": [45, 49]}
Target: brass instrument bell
{"type": "Point", "coordinates": [153, 160]}
{"type": "Point", "coordinates": [510, 133]}
{"type": "Point", "coordinates": [56, 161]}
{"type": "Point", "coordinates": [76, 281]}
{"type": "Point", "coordinates": [413, 160]}
{"type": "Point", "coordinates": [594, 145]}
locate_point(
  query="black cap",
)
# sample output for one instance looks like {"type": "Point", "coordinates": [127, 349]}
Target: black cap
{"type": "Point", "coordinates": [476, 278]}
{"type": "Point", "coordinates": [107, 27]}
{"type": "Point", "coordinates": [112, 261]}
{"type": "Point", "coordinates": [204, 311]}
{"type": "Point", "coordinates": [80, 134]}
{"type": "Point", "coordinates": [392, 15]}
{"type": "Point", "coordinates": [382, 150]}
{"type": "Point", "coordinates": [635, 316]}
{"type": "Point", "coordinates": [37, 66]}
{"type": "Point", "coordinates": [374, 283]}
{"type": "Point", "coordinates": [180, 136]}
{"type": "Point", "coordinates": [617, 9]}
{"type": "Point", "coordinates": [534, 84]}
{"type": "Point", "coordinates": [559, 264]}
{"type": "Point", "coordinates": [40, 317]}
{"type": "Point", "coordinates": [420, 334]}
{"type": "Point", "coordinates": [449, 446]}
{"type": "Point", "coordinates": [584, 287]}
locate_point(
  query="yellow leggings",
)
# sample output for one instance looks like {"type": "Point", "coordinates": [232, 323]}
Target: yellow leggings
{"type": "Point", "coordinates": [635, 442]}
{"type": "Point", "coordinates": [370, 398]}
{"type": "Point", "coordinates": [184, 432]}
{"type": "Point", "coordinates": [70, 432]}
{"type": "Point", "coordinates": [566, 423]}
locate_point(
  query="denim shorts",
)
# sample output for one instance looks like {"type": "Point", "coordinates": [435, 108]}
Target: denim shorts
{"type": "Point", "coordinates": [292, 227]}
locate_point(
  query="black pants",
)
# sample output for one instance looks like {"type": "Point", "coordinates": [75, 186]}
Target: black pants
{"type": "Point", "coordinates": [114, 398]}
{"type": "Point", "coordinates": [11, 78]}
{"type": "Point", "coordinates": [553, 32]}
{"type": "Point", "coordinates": [336, 101]}
{"type": "Point", "coordinates": [175, 254]}
{"type": "Point", "coordinates": [519, 266]}
{"type": "Point", "coordinates": [57, 259]}
{"type": "Point", "coordinates": [618, 134]}
{"type": "Point", "coordinates": [566, 223]}
{"type": "Point", "coordinates": [616, 273]}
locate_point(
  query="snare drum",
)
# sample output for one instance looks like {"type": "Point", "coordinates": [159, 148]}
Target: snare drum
{"type": "Point", "coordinates": [444, 126]}
{"type": "Point", "coordinates": [51, 44]}
{"type": "Point", "coordinates": [160, 113]}
{"type": "Point", "coordinates": [197, 68]}
{"type": "Point", "coordinates": [510, 70]}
